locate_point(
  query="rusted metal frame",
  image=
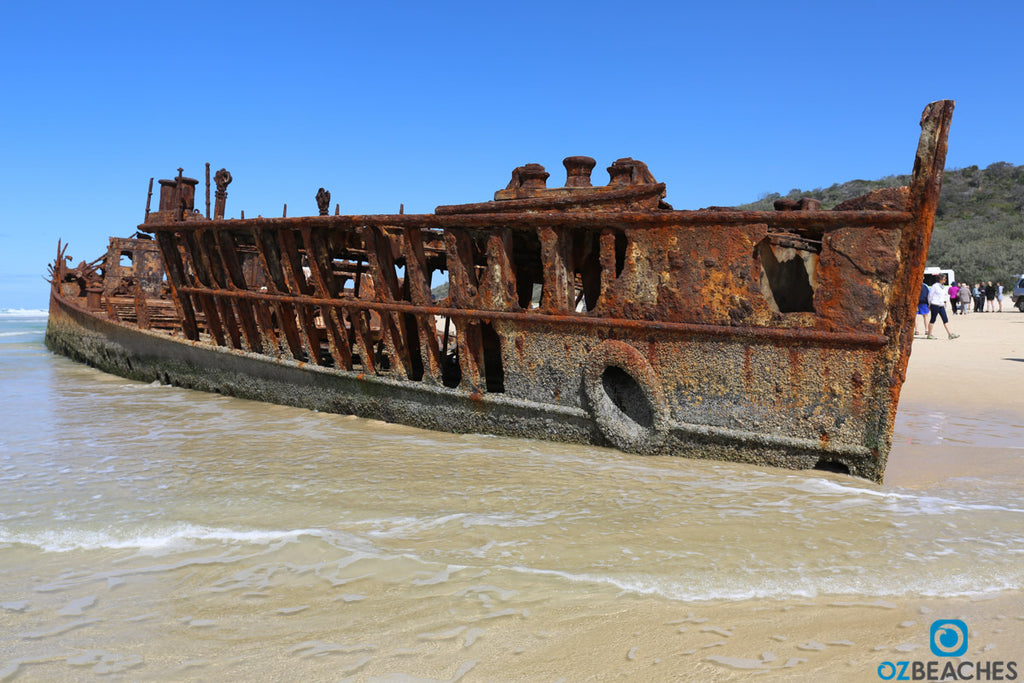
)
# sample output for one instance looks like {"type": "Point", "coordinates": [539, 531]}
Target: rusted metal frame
{"type": "Point", "coordinates": [462, 293]}
{"type": "Point", "coordinates": [387, 289]}
{"type": "Point", "coordinates": [607, 258]}
{"type": "Point", "coordinates": [141, 309]}
{"type": "Point", "coordinates": [417, 279]}
{"type": "Point", "coordinates": [271, 261]}
{"type": "Point", "coordinates": [498, 286]}
{"type": "Point", "coordinates": [269, 341]}
{"type": "Point", "coordinates": [266, 309]}
{"type": "Point", "coordinates": [794, 335]}
{"type": "Point", "coordinates": [809, 221]}
{"type": "Point", "coordinates": [176, 280]}
{"type": "Point", "coordinates": [556, 254]}
{"type": "Point", "coordinates": [551, 199]}
{"type": "Point", "coordinates": [362, 336]}
{"type": "Point", "coordinates": [297, 282]}
{"type": "Point", "coordinates": [225, 307]}
{"type": "Point", "coordinates": [318, 257]}
{"type": "Point", "coordinates": [236, 280]}
{"type": "Point", "coordinates": [201, 267]}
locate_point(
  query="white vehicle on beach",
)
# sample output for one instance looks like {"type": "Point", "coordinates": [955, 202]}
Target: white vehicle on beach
{"type": "Point", "coordinates": [1018, 294]}
{"type": "Point", "coordinates": [932, 273]}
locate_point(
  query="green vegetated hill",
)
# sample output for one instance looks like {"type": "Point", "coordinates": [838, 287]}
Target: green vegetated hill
{"type": "Point", "coordinates": [979, 228]}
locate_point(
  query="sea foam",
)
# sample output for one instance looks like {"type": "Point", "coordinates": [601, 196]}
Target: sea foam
{"type": "Point", "coordinates": [23, 313]}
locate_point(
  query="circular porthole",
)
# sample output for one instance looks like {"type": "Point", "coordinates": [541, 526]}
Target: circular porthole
{"type": "Point", "coordinates": [625, 398]}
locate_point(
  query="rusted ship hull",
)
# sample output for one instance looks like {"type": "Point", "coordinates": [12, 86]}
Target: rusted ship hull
{"type": "Point", "coordinates": [125, 350]}
{"type": "Point", "coordinates": [578, 314]}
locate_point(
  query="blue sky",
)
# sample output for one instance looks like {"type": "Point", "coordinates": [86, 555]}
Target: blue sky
{"type": "Point", "coordinates": [435, 103]}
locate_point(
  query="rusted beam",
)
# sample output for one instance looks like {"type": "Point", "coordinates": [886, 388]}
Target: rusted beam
{"type": "Point", "coordinates": [201, 267]}
{"type": "Point", "coordinates": [296, 279]}
{"type": "Point", "coordinates": [362, 337]}
{"type": "Point", "coordinates": [337, 339]}
{"type": "Point", "coordinates": [555, 253]}
{"type": "Point", "coordinates": [236, 280]}
{"type": "Point", "coordinates": [417, 281]}
{"type": "Point", "coordinates": [270, 257]}
{"type": "Point", "coordinates": [225, 307]}
{"type": "Point", "coordinates": [387, 289]}
{"type": "Point", "coordinates": [176, 281]}
{"type": "Point", "coordinates": [498, 283]}
{"type": "Point", "coordinates": [810, 221]}
{"type": "Point", "coordinates": [463, 292]}
{"type": "Point", "coordinates": [924, 199]}
{"type": "Point", "coordinates": [141, 310]}
{"type": "Point", "coordinates": [794, 335]}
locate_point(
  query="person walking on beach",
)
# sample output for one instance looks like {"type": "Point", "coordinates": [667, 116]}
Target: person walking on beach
{"type": "Point", "coordinates": [990, 297]}
{"type": "Point", "coordinates": [922, 310]}
{"type": "Point", "coordinates": [999, 295]}
{"type": "Point", "coordinates": [954, 297]}
{"type": "Point", "coordinates": [937, 298]}
{"type": "Point", "coordinates": [965, 299]}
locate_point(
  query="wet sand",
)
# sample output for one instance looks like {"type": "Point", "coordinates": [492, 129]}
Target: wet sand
{"type": "Point", "coordinates": [151, 538]}
{"type": "Point", "coordinates": [962, 404]}
{"type": "Point", "coordinates": [961, 419]}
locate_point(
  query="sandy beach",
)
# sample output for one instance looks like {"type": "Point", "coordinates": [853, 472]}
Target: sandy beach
{"type": "Point", "coordinates": [970, 389]}
{"type": "Point", "coordinates": [979, 371]}
{"type": "Point", "coordinates": [152, 537]}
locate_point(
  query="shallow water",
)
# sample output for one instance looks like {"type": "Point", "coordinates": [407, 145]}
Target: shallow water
{"type": "Point", "coordinates": [150, 532]}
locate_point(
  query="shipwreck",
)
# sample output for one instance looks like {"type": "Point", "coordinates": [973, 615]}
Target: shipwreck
{"type": "Point", "coordinates": [582, 313]}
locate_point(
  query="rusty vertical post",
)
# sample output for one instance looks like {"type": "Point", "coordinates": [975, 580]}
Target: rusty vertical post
{"type": "Point", "coordinates": [202, 269]}
{"type": "Point", "coordinates": [462, 293]}
{"type": "Point", "coordinates": [219, 279]}
{"type": "Point", "coordinates": [176, 278]}
{"type": "Point", "coordinates": [498, 287]}
{"type": "Point", "coordinates": [207, 190]}
{"type": "Point", "coordinates": [386, 288]}
{"type": "Point", "coordinates": [222, 178]}
{"type": "Point", "coordinates": [141, 309]}
{"type": "Point", "coordinates": [296, 277]}
{"type": "Point", "coordinates": [319, 264]}
{"type": "Point", "coordinates": [558, 279]}
{"type": "Point", "coordinates": [607, 258]}
{"type": "Point", "coordinates": [236, 280]}
{"type": "Point", "coordinates": [149, 200]}
{"type": "Point", "coordinates": [418, 283]}
{"type": "Point", "coordinates": [925, 186]}
{"type": "Point", "coordinates": [270, 257]}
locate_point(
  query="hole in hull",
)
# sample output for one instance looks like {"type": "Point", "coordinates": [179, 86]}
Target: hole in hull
{"type": "Point", "coordinates": [826, 465]}
{"type": "Point", "coordinates": [628, 396]}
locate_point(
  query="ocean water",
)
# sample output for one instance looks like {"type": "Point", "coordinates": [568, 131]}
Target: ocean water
{"type": "Point", "coordinates": [152, 533]}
